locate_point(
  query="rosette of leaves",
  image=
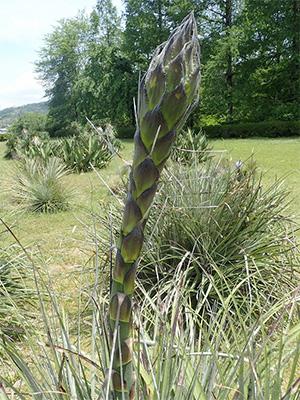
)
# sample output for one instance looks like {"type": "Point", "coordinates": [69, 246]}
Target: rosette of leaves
{"type": "Point", "coordinates": [38, 185]}
{"type": "Point", "coordinates": [92, 148]}
{"type": "Point", "coordinates": [191, 146]}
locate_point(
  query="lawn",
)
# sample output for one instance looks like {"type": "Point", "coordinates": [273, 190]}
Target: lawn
{"type": "Point", "coordinates": [275, 158]}
{"type": "Point", "coordinates": [60, 238]}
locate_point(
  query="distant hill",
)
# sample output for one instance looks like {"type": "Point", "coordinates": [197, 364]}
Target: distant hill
{"type": "Point", "coordinates": [8, 115]}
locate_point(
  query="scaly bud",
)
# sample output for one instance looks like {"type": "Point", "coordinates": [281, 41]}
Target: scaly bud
{"type": "Point", "coordinates": [168, 93]}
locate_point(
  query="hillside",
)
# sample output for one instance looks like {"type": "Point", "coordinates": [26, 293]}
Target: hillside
{"type": "Point", "coordinates": [8, 115]}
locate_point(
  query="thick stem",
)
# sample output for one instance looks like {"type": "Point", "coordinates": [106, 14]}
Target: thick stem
{"type": "Point", "coordinates": [167, 96]}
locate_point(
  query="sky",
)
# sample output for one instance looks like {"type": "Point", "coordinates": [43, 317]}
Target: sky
{"type": "Point", "coordinates": [23, 24]}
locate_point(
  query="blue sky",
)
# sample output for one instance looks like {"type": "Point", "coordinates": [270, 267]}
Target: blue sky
{"type": "Point", "coordinates": [23, 24]}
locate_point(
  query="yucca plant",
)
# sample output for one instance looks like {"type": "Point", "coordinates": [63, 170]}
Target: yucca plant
{"type": "Point", "coordinates": [191, 146]}
{"type": "Point", "coordinates": [236, 231]}
{"type": "Point", "coordinates": [92, 148]}
{"type": "Point", "coordinates": [37, 185]}
{"type": "Point", "coordinates": [28, 144]}
{"type": "Point", "coordinates": [167, 94]}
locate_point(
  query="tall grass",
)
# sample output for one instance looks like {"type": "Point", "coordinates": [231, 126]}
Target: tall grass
{"type": "Point", "coordinates": [177, 355]}
{"type": "Point", "coordinates": [17, 295]}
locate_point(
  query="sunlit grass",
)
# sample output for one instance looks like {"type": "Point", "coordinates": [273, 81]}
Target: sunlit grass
{"type": "Point", "coordinates": [61, 238]}
{"type": "Point", "coordinates": [275, 157]}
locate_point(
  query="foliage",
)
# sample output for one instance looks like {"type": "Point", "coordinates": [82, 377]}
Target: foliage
{"type": "Point", "coordinates": [32, 123]}
{"type": "Point", "coordinates": [26, 144]}
{"type": "Point", "coordinates": [38, 185]}
{"type": "Point", "coordinates": [90, 149]}
{"type": "Point", "coordinates": [190, 147]}
{"type": "Point", "coordinates": [87, 148]}
{"type": "Point", "coordinates": [124, 132]}
{"type": "Point", "coordinates": [4, 137]}
{"type": "Point", "coordinates": [24, 132]}
{"type": "Point", "coordinates": [85, 71]}
{"type": "Point", "coordinates": [171, 360]}
{"type": "Point", "coordinates": [254, 129]}
{"type": "Point", "coordinates": [16, 292]}
{"type": "Point", "coordinates": [59, 65]}
{"type": "Point", "coordinates": [232, 235]}
{"type": "Point", "coordinates": [250, 60]}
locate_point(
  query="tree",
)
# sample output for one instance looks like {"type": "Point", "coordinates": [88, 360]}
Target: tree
{"type": "Point", "coordinates": [60, 62]}
{"type": "Point", "coordinates": [268, 76]}
{"type": "Point", "coordinates": [222, 36]}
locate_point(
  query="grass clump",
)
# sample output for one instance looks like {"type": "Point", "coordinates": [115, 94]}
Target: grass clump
{"type": "Point", "coordinates": [38, 185]}
{"type": "Point", "coordinates": [178, 354]}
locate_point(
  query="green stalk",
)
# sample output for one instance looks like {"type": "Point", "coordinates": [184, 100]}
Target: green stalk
{"type": "Point", "coordinates": [167, 94]}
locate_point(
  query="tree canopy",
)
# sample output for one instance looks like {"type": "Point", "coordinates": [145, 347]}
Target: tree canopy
{"type": "Point", "coordinates": [91, 64]}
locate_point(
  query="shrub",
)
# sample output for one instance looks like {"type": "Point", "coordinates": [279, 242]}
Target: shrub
{"type": "Point", "coordinates": [38, 185]}
{"type": "Point", "coordinates": [191, 147]}
{"type": "Point", "coordinates": [232, 235]}
{"type": "Point", "coordinates": [235, 233]}
{"type": "Point", "coordinates": [88, 149]}
{"type": "Point", "coordinates": [254, 129]}
{"type": "Point", "coordinates": [26, 144]}
{"type": "Point", "coordinates": [30, 122]}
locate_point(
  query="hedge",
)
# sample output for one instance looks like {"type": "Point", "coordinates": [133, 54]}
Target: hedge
{"type": "Point", "coordinates": [254, 129]}
{"type": "Point", "coordinates": [125, 132]}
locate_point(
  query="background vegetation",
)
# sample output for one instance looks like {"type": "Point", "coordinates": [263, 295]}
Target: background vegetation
{"type": "Point", "coordinates": [250, 62]}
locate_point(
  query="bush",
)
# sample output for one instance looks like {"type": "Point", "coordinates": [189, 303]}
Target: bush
{"type": "Point", "coordinates": [28, 144]}
{"type": "Point", "coordinates": [191, 147]}
{"type": "Point", "coordinates": [88, 149]}
{"type": "Point", "coordinates": [30, 122]}
{"type": "Point", "coordinates": [38, 185]}
{"type": "Point", "coordinates": [254, 129]}
{"type": "Point", "coordinates": [233, 236]}
{"type": "Point", "coordinates": [235, 233]}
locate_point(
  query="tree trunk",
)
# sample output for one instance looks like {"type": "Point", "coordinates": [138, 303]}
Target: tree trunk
{"type": "Point", "coordinates": [296, 47]}
{"type": "Point", "coordinates": [229, 70]}
{"type": "Point", "coordinates": [160, 22]}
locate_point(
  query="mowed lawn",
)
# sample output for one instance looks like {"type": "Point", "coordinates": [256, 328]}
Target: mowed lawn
{"type": "Point", "coordinates": [275, 158]}
{"type": "Point", "coordinates": [61, 238]}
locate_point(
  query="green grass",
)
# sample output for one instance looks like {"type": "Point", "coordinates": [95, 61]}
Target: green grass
{"type": "Point", "coordinates": [61, 238]}
{"type": "Point", "coordinates": [276, 158]}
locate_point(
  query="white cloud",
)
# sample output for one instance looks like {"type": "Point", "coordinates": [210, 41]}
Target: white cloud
{"type": "Point", "coordinates": [23, 26]}
{"type": "Point", "coordinates": [22, 20]}
{"type": "Point", "coordinates": [23, 89]}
